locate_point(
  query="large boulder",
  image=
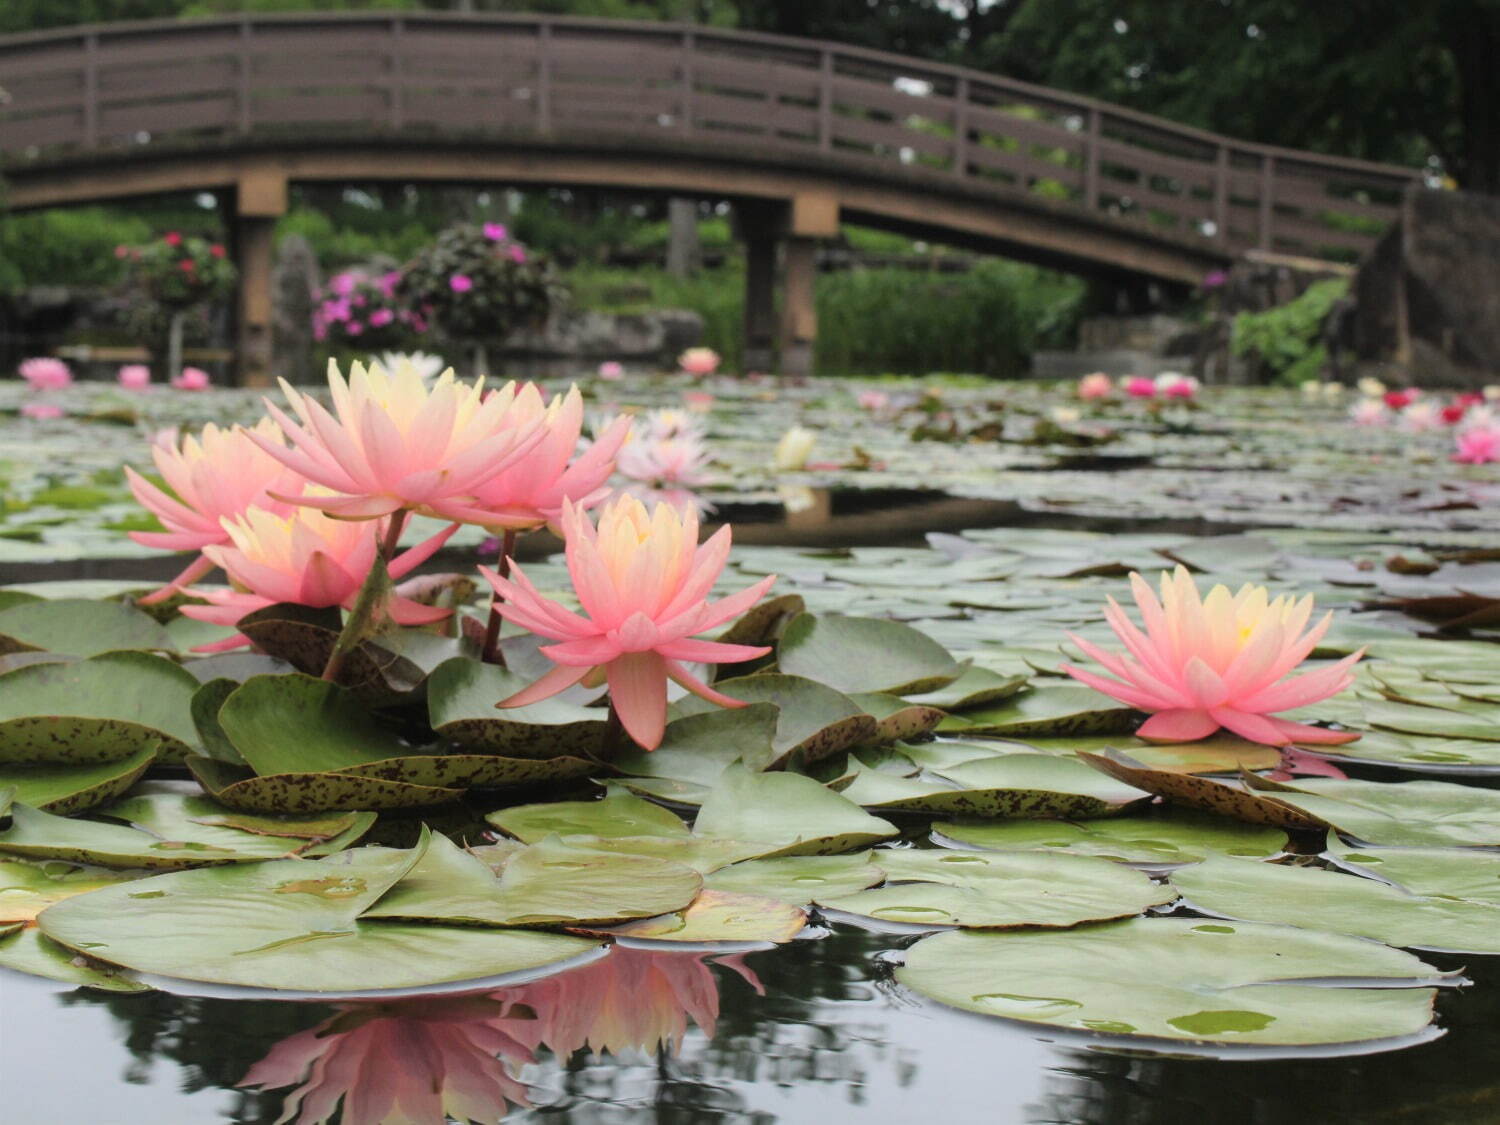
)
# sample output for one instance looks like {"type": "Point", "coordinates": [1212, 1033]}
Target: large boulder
{"type": "Point", "coordinates": [1429, 294]}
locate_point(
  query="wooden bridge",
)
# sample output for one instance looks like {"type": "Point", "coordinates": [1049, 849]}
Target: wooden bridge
{"type": "Point", "coordinates": [800, 135]}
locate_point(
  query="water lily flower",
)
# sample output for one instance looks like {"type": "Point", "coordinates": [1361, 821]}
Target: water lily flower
{"type": "Point", "coordinates": [1205, 663]}
{"type": "Point", "coordinates": [611, 370]}
{"type": "Point", "coordinates": [1095, 385]}
{"type": "Point", "coordinates": [42, 411]}
{"type": "Point", "coordinates": [531, 491]}
{"type": "Point", "coordinates": [192, 379]}
{"type": "Point", "coordinates": [699, 362]}
{"type": "Point", "coordinates": [667, 464]}
{"type": "Point", "coordinates": [43, 373]}
{"type": "Point", "coordinates": [1400, 400]}
{"type": "Point", "coordinates": [643, 582]}
{"type": "Point", "coordinates": [699, 402]}
{"type": "Point", "coordinates": [218, 475]}
{"type": "Point", "coordinates": [425, 365]}
{"type": "Point", "coordinates": [134, 376]}
{"type": "Point", "coordinates": [1368, 412]}
{"type": "Point", "coordinates": [668, 424]}
{"type": "Point", "coordinates": [1421, 417]}
{"type": "Point", "coordinates": [1453, 413]}
{"type": "Point", "coordinates": [305, 558]}
{"type": "Point", "coordinates": [1370, 387]}
{"type": "Point", "coordinates": [1064, 415]}
{"type": "Point", "coordinates": [398, 442]}
{"type": "Point", "coordinates": [1174, 384]}
{"type": "Point", "coordinates": [1478, 445]}
{"type": "Point", "coordinates": [794, 448]}
{"type": "Point", "coordinates": [1139, 386]}
{"type": "Point", "coordinates": [1492, 392]}
{"type": "Point", "coordinates": [872, 400]}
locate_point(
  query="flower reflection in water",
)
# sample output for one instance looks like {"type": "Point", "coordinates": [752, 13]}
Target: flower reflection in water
{"type": "Point", "coordinates": [422, 1060]}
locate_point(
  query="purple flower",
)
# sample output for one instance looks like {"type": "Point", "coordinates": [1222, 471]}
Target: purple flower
{"type": "Point", "coordinates": [495, 232]}
{"type": "Point", "coordinates": [460, 283]}
{"type": "Point", "coordinates": [1215, 279]}
{"type": "Point", "coordinates": [354, 328]}
{"type": "Point", "coordinates": [342, 284]}
{"type": "Point", "coordinates": [381, 317]}
{"type": "Point", "coordinates": [389, 281]}
{"type": "Point", "coordinates": [517, 253]}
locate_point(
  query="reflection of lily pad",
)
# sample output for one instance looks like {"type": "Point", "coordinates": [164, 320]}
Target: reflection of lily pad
{"type": "Point", "coordinates": [945, 888]}
{"type": "Point", "coordinates": [291, 924]}
{"type": "Point", "coordinates": [461, 698]}
{"type": "Point", "coordinates": [864, 654]}
{"type": "Point", "coordinates": [1345, 904]}
{"type": "Point", "coordinates": [1181, 979]}
{"type": "Point", "coordinates": [103, 709]}
{"type": "Point", "coordinates": [1168, 837]}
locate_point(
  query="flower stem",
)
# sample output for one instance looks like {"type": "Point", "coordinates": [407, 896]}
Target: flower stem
{"type": "Point", "coordinates": [392, 537]}
{"type": "Point", "coordinates": [615, 738]}
{"type": "Point", "coordinates": [492, 653]}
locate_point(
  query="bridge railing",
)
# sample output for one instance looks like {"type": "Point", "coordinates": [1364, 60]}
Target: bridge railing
{"type": "Point", "coordinates": [167, 83]}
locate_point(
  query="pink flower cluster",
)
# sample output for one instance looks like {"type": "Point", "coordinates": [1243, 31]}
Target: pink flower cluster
{"type": "Point", "coordinates": [356, 305]}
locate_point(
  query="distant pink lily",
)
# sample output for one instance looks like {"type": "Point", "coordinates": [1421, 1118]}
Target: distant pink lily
{"type": "Point", "coordinates": [43, 373]}
{"type": "Point", "coordinates": [1219, 661]}
{"type": "Point", "coordinates": [1138, 386]}
{"type": "Point", "coordinates": [134, 376]}
{"type": "Point", "coordinates": [643, 582]}
{"type": "Point", "coordinates": [1478, 445]}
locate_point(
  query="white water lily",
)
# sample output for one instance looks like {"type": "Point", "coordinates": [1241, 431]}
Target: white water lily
{"type": "Point", "coordinates": [794, 448]}
{"type": "Point", "coordinates": [1371, 387]}
{"type": "Point", "coordinates": [425, 365]}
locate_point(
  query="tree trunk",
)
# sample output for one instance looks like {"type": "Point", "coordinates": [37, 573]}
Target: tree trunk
{"type": "Point", "coordinates": [1473, 34]}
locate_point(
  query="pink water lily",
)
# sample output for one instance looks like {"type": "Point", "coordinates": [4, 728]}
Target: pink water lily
{"type": "Point", "coordinates": [305, 558]}
{"type": "Point", "coordinates": [1095, 385]}
{"type": "Point", "coordinates": [699, 361]}
{"type": "Point", "coordinates": [1205, 663]}
{"type": "Point", "coordinates": [1478, 445]}
{"type": "Point", "coordinates": [643, 582]}
{"type": "Point", "coordinates": [217, 475]}
{"type": "Point", "coordinates": [43, 373]}
{"type": "Point", "coordinates": [135, 376]}
{"type": "Point", "coordinates": [192, 379]}
{"type": "Point", "coordinates": [395, 441]}
{"type": "Point", "coordinates": [531, 491]}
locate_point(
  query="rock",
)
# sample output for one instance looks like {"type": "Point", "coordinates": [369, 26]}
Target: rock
{"type": "Point", "coordinates": [654, 338]}
{"type": "Point", "coordinates": [1429, 294]}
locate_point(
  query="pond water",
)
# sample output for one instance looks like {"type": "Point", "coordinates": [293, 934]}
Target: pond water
{"type": "Point", "coordinates": [824, 1038]}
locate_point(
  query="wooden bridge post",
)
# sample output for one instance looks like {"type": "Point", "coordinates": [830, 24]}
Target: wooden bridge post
{"type": "Point", "coordinates": [759, 222]}
{"type": "Point", "coordinates": [260, 199]}
{"type": "Point", "coordinates": [815, 216]}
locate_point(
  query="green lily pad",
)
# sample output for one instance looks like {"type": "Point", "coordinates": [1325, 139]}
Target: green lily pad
{"type": "Point", "coordinates": [696, 748]}
{"type": "Point", "coordinates": [311, 793]}
{"type": "Point", "coordinates": [1480, 723]}
{"type": "Point", "coordinates": [1345, 904]}
{"type": "Point", "coordinates": [79, 628]}
{"type": "Point", "coordinates": [292, 925]}
{"type": "Point", "coordinates": [29, 951]}
{"type": "Point", "coordinates": [1407, 814]}
{"type": "Point", "coordinates": [461, 698]}
{"type": "Point", "coordinates": [945, 888]}
{"type": "Point", "coordinates": [864, 654]}
{"type": "Point", "coordinates": [469, 771]}
{"type": "Point", "coordinates": [815, 721]}
{"type": "Point", "coordinates": [547, 884]}
{"type": "Point", "coordinates": [305, 638]}
{"type": "Point", "coordinates": [1420, 753]}
{"type": "Point", "coordinates": [792, 814]}
{"type": "Point", "coordinates": [207, 701]}
{"type": "Point", "coordinates": [798, 879]}
{"type": "Point", "coordinates": [69, 790]}
{"type": "Point", "coordinates": [102, 709]}
{"type": "Point", "coordinates": [975, 687]}
{"type": "Point", "coordinates": [763, 622]}
{"type": "Point", "coordinates": [718, 916]}
{"type": "Point", "coordinates": [175, 832]}
{"type": "Point", "coordinates": [1203, 793]}
{"type": "Point", "coordinates": [29, 887]}
{"type": "Point", "coordinates": [1049, 710]}
{"type": "Point", "coordinates": [1185, 980]}
{"type": "Point", "coordinates": [618, 814]}
{"type": "Point", "coordinates": [1465, 873]}
{"type": "Point", "coordinates": [702, 854]}
{"type": "Point", "coordinates": [895, 718]}
{"type": "Point", "coordinates": [1164, 838]}
{"type": "Point", "coordinates": [299, 724]}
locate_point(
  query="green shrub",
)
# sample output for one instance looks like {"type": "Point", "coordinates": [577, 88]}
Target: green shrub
{"type": "Point", "coordinates": [1285, 342]}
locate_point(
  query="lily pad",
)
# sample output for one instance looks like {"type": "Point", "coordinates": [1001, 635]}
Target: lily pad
{"type": "Point", "coordinates": [976, 686]}
{"type": "Point", "coordinates": [461, 698]}
{"type": "Point", "coordinates": [176, 832]}
{"type": "Point", "coordinates": [69, 790]}
{"type": "Point", "coordinates": [296, 724]}
{"type": "Point", "coordinates": [696, 748]}
{"type": "Point", "coordinates": [718, 916]}
{"type": "Point", "coordinates": [306, 637]}
{"type": "Point", "coordinates": [1420, 753]}
{"type": "Point", "coordinates": [76, 627]}
{"type": "Point", "coordinates": [799, 879]}
{"type": "Point", "coordinates": [29, 887]}
{"type": "Point", "coordinates": [29, 951]}
{"type": "Point", "coordinates": [618, 814]}
{"type": "Point", "coordinates": [311, 793]}
{"type": "Point", "coordinates": [471, 771]}
{"type": "Point", "coordinates": [815, 721]}
{"type": "Point", "coordinates": [1166, 838]}
{"type": "Point", "coordinates": [1407, 814]}
{"type": "Point", "coordinates": [1481, 723]}
{"type": "Point", "coordinates": [1203, 793]}
{"type": "Point", "coordinates": [895, 718]}
{"type": "Point", "coordinates": [292, 925]}
{"type": "Point", "coordinates": [547, 884]}
{"type": "Point", "coordinates": [792, 814]}
{"type": "Point", "coordinates": [1346, 904]}
{"type": "Point", "coordinates": [970, 890]}
{"type": "Point", "coordinates": [102, 709]}
{"type": "Point", "coordinates": [864, 654]}
{"type": "Point", "coordinates": [763, 622]}
{"type": "Point", "coordinates": [1050, 710]}
{"type": "Point", "coordinates": [1445, 872]}
{"type": "Point", "coordinates": [1184, 980]}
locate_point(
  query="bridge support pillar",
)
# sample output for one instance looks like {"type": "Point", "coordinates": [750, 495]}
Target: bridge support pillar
{"type": "Point", "coordinates": [260, 200]}
{"type": "Point", "coordinates": [758, 227]}
{"type": "Point", "coordinates": [799, 313]}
